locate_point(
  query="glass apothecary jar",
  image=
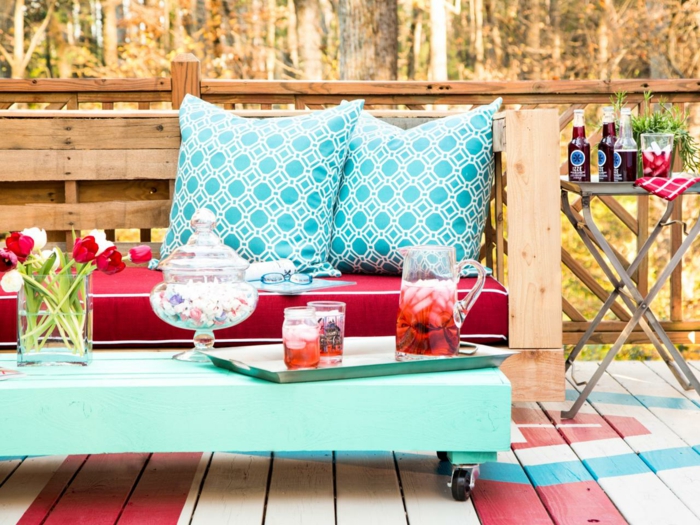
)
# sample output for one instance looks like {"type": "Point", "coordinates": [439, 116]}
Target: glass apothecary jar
{"type": "Point", "coordinates": [204, 287]}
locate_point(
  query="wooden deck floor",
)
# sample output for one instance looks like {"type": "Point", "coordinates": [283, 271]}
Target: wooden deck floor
{"type": "Point", "coordinates": [632, 455]}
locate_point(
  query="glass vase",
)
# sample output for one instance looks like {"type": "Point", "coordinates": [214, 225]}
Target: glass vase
{"type": "Point", "coordinates": [54, 320]}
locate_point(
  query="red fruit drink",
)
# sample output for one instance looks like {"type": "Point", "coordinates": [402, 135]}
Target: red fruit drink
{"type": "Point", "coordinates": [579, 151]}
{"type": "Point", "coordinates": [606, 148]}
{"type": "Point", "coordinates": [657, 163]}
{"type": "Point", "coordinates": [425, 326]}
{"type": "Point", "coordinates": [301, 346]}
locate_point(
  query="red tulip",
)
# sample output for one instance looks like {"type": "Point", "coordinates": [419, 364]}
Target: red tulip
{"type": "Point", "coordinates": [110, 261]}
{"type": "Point", "coordinates": [19, 244]}
{"type": "Point", "coordinates": [85, 249]}
{"type": "Point", "coordinates": [8, 260]}
{"type": "Point", "coordinates": [140, 254]}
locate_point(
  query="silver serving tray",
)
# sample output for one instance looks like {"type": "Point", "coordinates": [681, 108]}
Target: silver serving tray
{"type": "Point", "coordinates": [363, 357]}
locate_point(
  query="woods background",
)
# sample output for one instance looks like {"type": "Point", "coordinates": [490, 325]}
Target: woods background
{"type": "Point", "coordinates": [353, 39]}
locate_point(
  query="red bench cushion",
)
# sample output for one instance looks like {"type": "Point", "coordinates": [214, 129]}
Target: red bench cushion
{"type": "Point", "coordinates": [123, 315]}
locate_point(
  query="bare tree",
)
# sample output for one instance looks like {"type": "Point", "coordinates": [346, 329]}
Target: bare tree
{"type": "Point", "coordinates": [19, 59]}
{"type": "Point", "coordinates": [308, 14]}
{"type": "Point", "coordinates": [438, 40]}
{"type": "Point", "coordinates": [109, 31]}
{"type": "Point", "coordinates": [368, 39]}
{"type": "Point", "coordinates": [415, 37]}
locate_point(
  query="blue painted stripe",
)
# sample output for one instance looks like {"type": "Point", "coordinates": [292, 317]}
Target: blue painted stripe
{"type": "Point", "coordinates": [622, 465]}
{"type": "Point", "coordinates": [616, 398]}
{"type": "Point", "coordinates": [670, 458]}
{"type": "Point", "coordinates": [557, 473]}
{"type": "Point", "coordinates": [611, 398]}
{"type": "Point", "coordinates": [678, 403]}
{"type": "Point", "coordinates": [506, 472]}
{"type": "Point", "coordinates": [11, 458]}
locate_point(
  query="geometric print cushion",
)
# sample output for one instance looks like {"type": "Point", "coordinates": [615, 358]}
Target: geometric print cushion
{"type": "Point", "coordinates": [272, 183]}
{"type": "Point", "coordinates": [430, 184]}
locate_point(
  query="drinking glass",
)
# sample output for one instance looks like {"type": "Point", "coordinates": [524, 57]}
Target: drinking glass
{"type": "Point", "coordinates": [331, 324]}
{"type": "Point", "coordinates": [656, 154]}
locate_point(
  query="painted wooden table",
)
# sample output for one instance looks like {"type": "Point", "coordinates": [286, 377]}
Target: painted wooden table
{"type": "Point", "coordinates": [146, 402]}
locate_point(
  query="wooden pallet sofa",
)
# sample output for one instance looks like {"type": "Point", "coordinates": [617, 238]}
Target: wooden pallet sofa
{"type": "Point", "coordinates": [65, 170]}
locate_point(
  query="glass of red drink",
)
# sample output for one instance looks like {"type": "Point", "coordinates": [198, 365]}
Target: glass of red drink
{"type": "Point", "coordinates": [656, 154]}
{"type": "Point", "coordinates": [430, 315]}
{"type": "Point", "coordinates": [331, 324]}
{"type": "Point", "coordinates": [300, 338]}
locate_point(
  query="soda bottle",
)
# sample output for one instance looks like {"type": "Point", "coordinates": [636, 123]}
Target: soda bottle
{"type": "Point", "coordinates": [579, 151]}
{"type": "Point", "coordinates": [606, 148]}
{"type": "Point", "coordinates": [625, 150]}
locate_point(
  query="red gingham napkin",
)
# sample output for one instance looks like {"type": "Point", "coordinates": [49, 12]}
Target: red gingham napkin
{"type": "Point", "coordinates": [665, 188]}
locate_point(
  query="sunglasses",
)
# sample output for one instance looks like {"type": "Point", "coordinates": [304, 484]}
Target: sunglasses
{"type": "Point", "coordinates": [278, 278]}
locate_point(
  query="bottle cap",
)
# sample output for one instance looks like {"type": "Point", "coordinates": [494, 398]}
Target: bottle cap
{"type": "Point", "coordinates": [625, 111]}
{"type": "Point", "coordinates": [608, 109]}
{"type": "Point", "coordinates": [578, 112]}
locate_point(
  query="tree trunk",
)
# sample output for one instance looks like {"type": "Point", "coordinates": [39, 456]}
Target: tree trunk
{"type": "Point", "coordinates": [292, 42]}
{"type": "Point", "coordinates": [270, 37]}
{"type": "Point", "coordinates": [533, 40]}
{"type": "Point", "coordinates": [415, 38]}
{"type": "Point", "coordinates": [479, 39]}
{"type": "Point", "coordinates": [438, 41]}
{"type": "Point", "coordinates": [555, 20]}
{"type": "Point", "coordinates": [109, 12]}
{"type": "Point", "coordinates": [368, 39]}
{"type": "Point", "coordinates": [603, 47]}
{"type": "Point", "coordinates": [308, 13]}
{"type": "Point", "coordinates": [18, 51]}
{"type": "Point", "coordinates": [498, 54]}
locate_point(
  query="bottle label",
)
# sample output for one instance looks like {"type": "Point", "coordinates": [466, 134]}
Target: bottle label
{"type": "Point", "coordinates": [617, 160]}
{"type": "Point", "coordinates": [601, 159]}
{"type": "Point", "coordinates": [577, 158]}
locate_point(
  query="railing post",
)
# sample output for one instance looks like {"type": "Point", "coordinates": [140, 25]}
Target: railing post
{"type": "Point", "coordinates": [534, 229]}
{"type": "Point", "coordinates": [186, 79]}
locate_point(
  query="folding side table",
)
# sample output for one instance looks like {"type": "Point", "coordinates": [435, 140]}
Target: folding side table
{"type": "Point", "coordinates": [623, 285]}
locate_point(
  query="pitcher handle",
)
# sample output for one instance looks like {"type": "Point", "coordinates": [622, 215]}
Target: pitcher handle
{"type": "Point", "coordinates": [462, 307]}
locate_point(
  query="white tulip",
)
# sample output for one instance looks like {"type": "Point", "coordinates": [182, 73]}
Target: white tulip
{"type": "Point", "coordinates": [12, 281]}
{"type": "Point", "coordinates": [101, 241]}
{"type": "Point", "coordinates": [38, 235]}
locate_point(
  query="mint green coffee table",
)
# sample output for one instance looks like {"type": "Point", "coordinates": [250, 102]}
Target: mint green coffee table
{"type": "Point", "coordinates": [145, 402]}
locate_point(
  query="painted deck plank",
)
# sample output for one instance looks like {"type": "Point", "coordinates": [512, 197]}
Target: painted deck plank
{"type": "Point", "coordinates": [8, 466]}
{"type": "Point", "coordinates": [195, 488]}
{"type": "Point", "coordinates": [301, 489]}
{"type": "Point", "coordinates": [565, 485]}
{"type": "Point", "coordinates": [503, 495]}
{"type": "Point", "coordinates": [21, 489]}
{"type": "Point", "coordinates": [52, 491]}
{"type": "Point", "coordinates": [97, 495]}
{"type": "Point", "coordinates": [234, 489]}
{"type": "Point", "coordinates": [367, 489]}
{"type": "Point", "coordinates": [661, 370]}
{"type": "Point", "coordinates": [426, 495]}
{"type": "Point", "coordinates": [668, 456]}
{"type": "Point", "coordinates": [664, 401]}
{"type": "Point", "coordinates": [162, 490]}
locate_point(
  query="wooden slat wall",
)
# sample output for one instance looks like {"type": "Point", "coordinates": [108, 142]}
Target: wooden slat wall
{"type": "Point", "coordinates": [144, 171]}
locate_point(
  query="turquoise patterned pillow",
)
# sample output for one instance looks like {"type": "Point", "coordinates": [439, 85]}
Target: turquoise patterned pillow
{"type": "Point", "coordinates": [427, 185]}
{"type": "Point", "coordinates": [271, 182]}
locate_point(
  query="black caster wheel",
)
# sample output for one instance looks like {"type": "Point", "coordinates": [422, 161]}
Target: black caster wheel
{"type": "Point", "coordinates": [442, 456]}
{"type": "Point", "coordinates": [460, 485]}
{"type": "Point", "coordinates": [463, 480]}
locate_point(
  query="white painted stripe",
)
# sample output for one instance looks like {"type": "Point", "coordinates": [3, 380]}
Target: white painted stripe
{"type": "Point", "coordinates": [515, 435]}
{"type": "Point", "coordinates": [601, 448]}
{"type": "Point", "coordinates": [8, 297]}
{"type": "Point", "coordinates": [644, 499]}
{"type": "Point", "coordinates": [544, 455]}
{"type": "Point", "coordinates": [25, 484]}
{"type": "Point", "coordinates": [195, 488]}
{"type": "Point", "coordinates": [685, 483]}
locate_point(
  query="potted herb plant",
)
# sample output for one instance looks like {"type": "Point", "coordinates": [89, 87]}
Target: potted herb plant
{"type": "Point", "coordinates": [664, 119]}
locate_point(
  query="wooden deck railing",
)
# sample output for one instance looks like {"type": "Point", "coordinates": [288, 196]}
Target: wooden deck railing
{"type": "Point", "coordinates": [410, 98]}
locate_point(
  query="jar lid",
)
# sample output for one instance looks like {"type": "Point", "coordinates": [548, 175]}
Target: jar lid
{"type": "Point", "coordinates": [204, 250]}
{"type": "Point", "coordinates": [299, 312]}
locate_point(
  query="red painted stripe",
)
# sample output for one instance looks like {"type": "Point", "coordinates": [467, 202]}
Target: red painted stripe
{"type": "Point", "coordinates": [537, 436]}
{"type": "Point", "coordinates": [499, 503]}
{"type": "Point", "coordinates": [627, 426]}
{"type": "Point", "coordinates": [47, 498]}
{"type": "Point", "coordinates": [577, 435]}
{"type": "Point", "coordinates": [99, 491]}
{"type": "Point", "coordinates": [579, 504]}
{"type": "Point", "coordinates": [162, 490]}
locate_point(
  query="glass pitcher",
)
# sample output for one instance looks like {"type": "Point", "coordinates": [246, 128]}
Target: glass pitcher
{"type": "Point", "coordinates": [430, 316]}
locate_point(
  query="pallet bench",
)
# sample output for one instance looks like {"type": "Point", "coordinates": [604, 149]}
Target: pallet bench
{"type": "Point", "coordinates": [65, 170]}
